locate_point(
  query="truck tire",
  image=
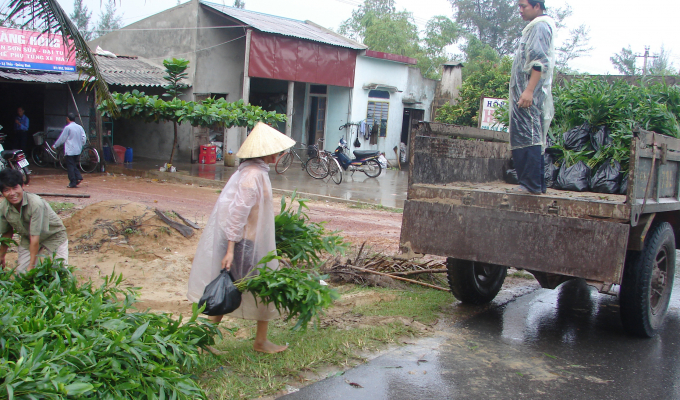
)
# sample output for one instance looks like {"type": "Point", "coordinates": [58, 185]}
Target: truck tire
{"type": "Point", "coordinates": [474, 282]}
{"type": "Point", "coordinates": [647, 282]}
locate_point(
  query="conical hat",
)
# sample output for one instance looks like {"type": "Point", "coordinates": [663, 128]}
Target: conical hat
{"type": "Point", "coordinates": [263, 141]}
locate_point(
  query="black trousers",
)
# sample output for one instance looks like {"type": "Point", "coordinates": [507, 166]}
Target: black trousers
{"type": "Point", "coordinates": [529, 164]}
{"type": "Point", "coordinates": [19, 141]}
{"type": "Point", "coordinates": [72, 168]}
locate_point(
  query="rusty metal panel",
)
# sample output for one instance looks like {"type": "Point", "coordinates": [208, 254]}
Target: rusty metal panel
{"type": "Point", "coordinates": [561, 206]}
{"type": "Point", "coordinates": [590, 249]}
{"type": "Point", "coordinates": [443, 160]}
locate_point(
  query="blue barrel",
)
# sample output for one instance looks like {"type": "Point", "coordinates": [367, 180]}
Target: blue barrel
{"type": "Point", "coordinates": [107, 154]}
{"type": "Point", "coordinates": [128, 155]}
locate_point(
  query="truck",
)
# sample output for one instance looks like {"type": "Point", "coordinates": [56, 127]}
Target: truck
{"type": "Point", "coordinates": [459, 207]}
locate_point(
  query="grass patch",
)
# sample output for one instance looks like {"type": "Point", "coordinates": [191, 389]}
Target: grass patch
{"type": "Point", "coordinates": [521, 275]}
{"type": "Point", "coordinates": [418, 303]}
{"type": "Point", "coordinates": [243, 373]}
{"type": "Point", "coordinates": [379, 207]}
{"type": "Point", "coordinates": [59, 206]}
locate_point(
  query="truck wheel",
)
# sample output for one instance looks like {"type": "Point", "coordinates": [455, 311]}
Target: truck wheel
{"type": "Point", "coordinates": [647, 282]}
{"type": "Point", "coordinates": [474, 282]}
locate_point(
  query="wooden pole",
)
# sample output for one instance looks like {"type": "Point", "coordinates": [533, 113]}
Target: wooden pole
{"type": "Point", "coordinates": [80, 196]}
{"type": "Point", "coordinates": [398, 278]}
{"type": "Point", "coordinates": [421, 271]}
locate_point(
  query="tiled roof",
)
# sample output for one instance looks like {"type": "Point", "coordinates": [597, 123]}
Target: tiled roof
{"type": "Point", "coordinates": [130, 71]}
{"type": "Point", "coordinates": [122, 70]}
{"type": "Point", "coordinates": [285, 26]}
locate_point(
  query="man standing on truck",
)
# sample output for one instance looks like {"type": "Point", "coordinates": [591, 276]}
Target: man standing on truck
{"type": "Point", "coordinates": [531, 103]}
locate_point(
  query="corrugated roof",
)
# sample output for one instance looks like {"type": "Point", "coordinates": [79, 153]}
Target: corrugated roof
{"type": "Point", "coordinates": [123, 71]}
{"type": "Point", "coordinates": [285, 26]}
{"type": "Point", "coordinates": [130, 71]}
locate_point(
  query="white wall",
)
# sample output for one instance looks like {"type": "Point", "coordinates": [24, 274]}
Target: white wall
{"type": "Point", "coordinates": [383, 72]}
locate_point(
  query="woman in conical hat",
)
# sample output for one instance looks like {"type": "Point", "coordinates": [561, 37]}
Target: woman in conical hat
{"type": "Point", "coordinates": [240, 230]}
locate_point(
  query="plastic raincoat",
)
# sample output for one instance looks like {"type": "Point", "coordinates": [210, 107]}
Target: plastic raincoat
{"type": "Point", "coordinates": [529, 126]}
{"type": "Point", "coordinates": [244, 214]}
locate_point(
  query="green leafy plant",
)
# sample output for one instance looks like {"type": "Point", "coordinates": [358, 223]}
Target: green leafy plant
{"type": "Point", "coordinates": [61, 339]}
{"type": "Point", "coordinates": [301, 240]}
{"type": "Point", "coordinates": [291, 290]}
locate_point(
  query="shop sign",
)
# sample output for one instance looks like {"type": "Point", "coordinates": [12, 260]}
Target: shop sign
{"type": "Point", "coordinates": [20, 49]}
{"type": "Point", "coordinates": [486, 117]}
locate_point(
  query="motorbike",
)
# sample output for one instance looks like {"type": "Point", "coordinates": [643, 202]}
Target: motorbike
{"type": "Point", "coordinates": [15, 159]}
{"type": "Point", "coordinates": [365, 160]}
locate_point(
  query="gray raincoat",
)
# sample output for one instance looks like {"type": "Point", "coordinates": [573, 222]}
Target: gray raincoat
{"type": "Point", "coordinates": [529, 126]}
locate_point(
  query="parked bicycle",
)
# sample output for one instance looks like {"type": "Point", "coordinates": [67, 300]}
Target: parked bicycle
{"type": "Point", "coordinates": [314, 165]}
{"type": "Point", "coordinates": [43, 154]}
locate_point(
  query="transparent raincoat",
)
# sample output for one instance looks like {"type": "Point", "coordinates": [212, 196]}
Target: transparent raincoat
{"type": "Point", "coordinates": [529, 126]}
{"type": "Point", "coordinates": [244, 214]}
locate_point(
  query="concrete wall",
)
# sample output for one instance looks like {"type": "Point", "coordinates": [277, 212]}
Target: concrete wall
{"type": "Point", "coordinates": [421, 90]}
{"type": "Point", "coordinates": [372, 70]}
{"type": "Point", "coordinates": [338, 105]}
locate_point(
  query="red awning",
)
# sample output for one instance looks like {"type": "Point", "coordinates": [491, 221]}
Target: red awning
{"type": "Point", "coordinates": [291, 59]}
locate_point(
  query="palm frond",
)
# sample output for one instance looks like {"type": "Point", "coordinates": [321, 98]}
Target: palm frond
{"type": "Point", "coordinates": [50, 18]}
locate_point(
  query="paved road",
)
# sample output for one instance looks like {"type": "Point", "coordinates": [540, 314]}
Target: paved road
{"type": "Point", "coordinates": [566, 343]}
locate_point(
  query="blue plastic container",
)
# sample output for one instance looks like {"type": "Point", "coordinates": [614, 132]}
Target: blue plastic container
{"type": "Point", "coordinates": [107, 154]}
{"type": "Point", "coordinates": [128, 155]}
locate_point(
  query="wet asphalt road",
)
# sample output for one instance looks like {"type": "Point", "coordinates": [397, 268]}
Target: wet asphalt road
{"type": "Point", "coordinates": [566, 343]}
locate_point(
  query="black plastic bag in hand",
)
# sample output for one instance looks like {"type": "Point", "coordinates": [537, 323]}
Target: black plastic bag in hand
{"type": "Point", "coordinates": [220, 296]}
{"type": "Point", "coordinates": [578, 138]}
{"type": "Point", "coordinates": [511, 177]}
{"type": "Point", "coordinates": [550, 171]}
{"type": "Point", "coordinates": [574, 178]}
{"type": "Point", "coordinates": [607, 178]}
{"type": "Point", "coordinates": [600, 138]}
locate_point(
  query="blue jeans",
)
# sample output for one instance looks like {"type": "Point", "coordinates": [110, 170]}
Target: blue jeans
{"type": "Point", "coordinates": [530, 167]}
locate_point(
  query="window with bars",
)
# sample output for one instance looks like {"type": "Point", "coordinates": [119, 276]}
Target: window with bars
{"type": "Point", "coordinates": [377, 115]}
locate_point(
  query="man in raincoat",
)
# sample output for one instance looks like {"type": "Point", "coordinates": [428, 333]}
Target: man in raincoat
{"type": "Point", "coordinates": [531, 103]}
{"type": "Point", "coordinates": [240, 231]}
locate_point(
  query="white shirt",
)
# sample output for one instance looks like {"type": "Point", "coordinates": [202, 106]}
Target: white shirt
{"type": "Point", "coordinates": [73, 137]}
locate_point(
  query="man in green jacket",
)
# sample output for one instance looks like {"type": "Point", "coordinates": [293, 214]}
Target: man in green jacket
{"type": "Point", "coordinates": [40, 228]}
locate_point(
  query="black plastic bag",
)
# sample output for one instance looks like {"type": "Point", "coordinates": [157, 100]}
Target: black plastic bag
{"type": "Point", "coordinates": [600, 138]}
{"type": "Point", "coordinates": [624, 184]}
{"type": "Point", "coordinates": [607, 178]}
{"type": "Point", "coordinates": [578, 138]}
{"type": "Point", "coordinates": [511, 177]}
{"type": "Point", "coordinates": [575, 178]}
{"type": "Point", "coordinates": [550, 171]}
{"type": "Point", "coordinates": [220, 296]}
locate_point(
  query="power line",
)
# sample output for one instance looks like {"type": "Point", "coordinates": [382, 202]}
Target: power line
{"type": "Point", "coordinates": [196, 51]}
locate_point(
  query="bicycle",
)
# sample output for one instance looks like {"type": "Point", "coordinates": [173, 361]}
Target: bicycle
{"type": "Point", "coordinates": [43, 154]}
{"type": "Point", "coordinates": [314, 166]}
{"type": "Point", "coordinates": [334, 168]}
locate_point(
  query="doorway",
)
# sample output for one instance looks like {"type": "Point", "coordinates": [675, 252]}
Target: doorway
{"type": "Point", "coordinates": [411, 117]}
{"type": "Point", "coordinates": [318, 104]}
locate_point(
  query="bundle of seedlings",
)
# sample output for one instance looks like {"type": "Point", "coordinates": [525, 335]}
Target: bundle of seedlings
{"type": "Point", "coordinates": [300, 240]}
{"type": "Point", "coordinates": [62, 339]}
{"type": "Point", "coordinates": [592, 129]}
{"type": "Point", "coordinates": [292, 291]}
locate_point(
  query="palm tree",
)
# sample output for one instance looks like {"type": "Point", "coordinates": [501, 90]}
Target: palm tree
{"type": "Point", "coordinates": [48, 16]}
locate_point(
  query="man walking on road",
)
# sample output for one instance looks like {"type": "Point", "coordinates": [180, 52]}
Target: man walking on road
{"type": "Point", "coordinates": [531, 103]}
{"type": "Point", "coordinates": [73, 138]}
{"type": "Point", "coordinates": [39, 227]}
{"type": "Point", "coordinates": [20, 138]}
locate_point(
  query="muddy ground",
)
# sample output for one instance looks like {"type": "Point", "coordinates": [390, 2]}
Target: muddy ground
{"type": "Point", "coordinates": [116, 229]}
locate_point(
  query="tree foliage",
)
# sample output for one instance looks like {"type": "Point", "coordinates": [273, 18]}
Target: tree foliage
{"type": "Point", "coordinates": [575, 46]}
{"type": "Point", "coordinates": [624, 61]}
{"type": "Point", "coordinates": [494, 22]}
{"type": "Point", "coordinates": [240, 4]}
{"type": "Point", "coordinates": [378, 25]}
{"type": "Point", "coordinates": [478, 56]}
{"type": "Point", "coordinates": [108, 20]}
{"type": "Point", "coordinates": [661, 64]}
{"type": "Point", "coordinates": [490, 80]}
{"type": "Point", "coordinates": [81, 17]}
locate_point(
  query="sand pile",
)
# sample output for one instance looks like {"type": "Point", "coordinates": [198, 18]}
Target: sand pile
{"type": "Point", "coordinates": [129, 238]}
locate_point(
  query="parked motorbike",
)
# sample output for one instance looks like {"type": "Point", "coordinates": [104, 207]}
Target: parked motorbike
{"type": "Point", "coordinates": [365, 160]}
{"type": "Point", "coordinates": [15, 159]}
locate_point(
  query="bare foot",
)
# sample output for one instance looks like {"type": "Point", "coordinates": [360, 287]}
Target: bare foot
{"type": "Point", "coordinates": [268, 347]}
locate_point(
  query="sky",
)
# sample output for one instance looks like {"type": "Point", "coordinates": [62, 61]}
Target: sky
{"type": "Point", "coordinates": [614, 24]}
